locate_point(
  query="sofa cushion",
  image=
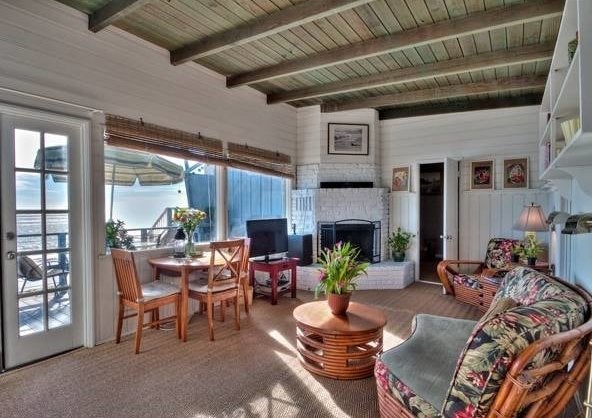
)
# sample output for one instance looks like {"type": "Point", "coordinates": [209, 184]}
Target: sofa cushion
{"type": "Point", "coordinates": [424, 363]}
{"type": "Point", "coordinates": [499, 252]}
{"type": "Point", "coordinates": [546, 307]}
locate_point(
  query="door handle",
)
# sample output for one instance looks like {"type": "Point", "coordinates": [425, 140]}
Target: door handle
{"type": "Point", "coordinates": [10, 255]}
{"type": "Point", "coordinates": [447, 237]}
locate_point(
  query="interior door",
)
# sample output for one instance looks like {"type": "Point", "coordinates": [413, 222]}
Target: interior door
{"type": "Point", "coordinates": [450, 232]}
{"type": "Point", "coordinates": [41, 265]}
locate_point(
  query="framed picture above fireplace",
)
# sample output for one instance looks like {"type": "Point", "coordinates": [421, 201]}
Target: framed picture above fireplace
{"type": "Point", "coordinates": [348, 139]}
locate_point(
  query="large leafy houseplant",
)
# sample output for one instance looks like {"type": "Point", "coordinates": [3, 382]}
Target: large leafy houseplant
{"type": "Point", "coordinates": [399, 242]}
{"type": "Point", "coordinates": [531, 249]}
{"type": "Point", "coordinates": [116, 236]}
{"type": "Point", "coordinates": [340, 269]}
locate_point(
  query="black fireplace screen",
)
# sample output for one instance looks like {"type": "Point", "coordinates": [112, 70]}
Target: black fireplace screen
{"type": "Point", "coordinates": [361, 233]}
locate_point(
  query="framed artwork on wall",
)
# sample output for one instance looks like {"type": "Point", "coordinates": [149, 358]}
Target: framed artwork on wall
{"type": "Point", "coordinates": [401, 179]}
{"type": "Point", "coordinates": [516, 173]}
{"type": "Point", "coordinates": [482, 177]}
{"type": "Point", "coordinates": [348, 139]}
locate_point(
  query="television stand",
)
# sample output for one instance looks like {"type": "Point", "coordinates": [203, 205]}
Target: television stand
{"type": "Point", "coordinates": [274, 267]}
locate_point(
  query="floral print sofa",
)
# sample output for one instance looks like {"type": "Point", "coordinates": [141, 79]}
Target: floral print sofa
{"type": "Point", "coordinates": [455, 368]}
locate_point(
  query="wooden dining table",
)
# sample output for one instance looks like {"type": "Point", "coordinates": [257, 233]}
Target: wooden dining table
{"type": "Point", "coordinates": [183, 267]}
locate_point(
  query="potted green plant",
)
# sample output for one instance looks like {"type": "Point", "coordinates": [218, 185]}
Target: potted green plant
{"type": "Point", "coordinates": [531, 250]}
{"type": "Point", "coordinates": [517, 252]}
{"type": "Point", "coordinates": [116, 236]}
{"type": "Point", "coordinates": [340, 269]}
{"type": "Point", "coordinates": [399, 242]}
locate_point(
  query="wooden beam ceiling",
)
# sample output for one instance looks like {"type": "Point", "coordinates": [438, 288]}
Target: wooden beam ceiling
{"type": "Point", "coordinates": [423, 35]}
{"type": "Point", "coordinates": [531, 99]}
{"type": "Point", "coordinates": [113, 11]}
{"type": "Point", "coordinates": [445, 92]}
{"type": "Point", "coordinates": [520, 55]}
{"type": "Point", "coordinates": [264, 26]}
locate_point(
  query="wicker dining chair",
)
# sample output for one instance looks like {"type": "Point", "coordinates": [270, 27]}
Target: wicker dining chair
{"type": "Point", "coordinates": [142, 298]}
{"type": "Point", "coordinates": [223, 281]}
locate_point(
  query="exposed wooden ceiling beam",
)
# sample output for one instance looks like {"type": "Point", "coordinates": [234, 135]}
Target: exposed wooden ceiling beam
{"type": "Point", "coordinates": [276, 22]}
{"type": "Point", "coordinates": [443, 30]}
{"type": "Point", "coordinates": [520, 55]}
{"type": "Point", "coordinates": [112, 11]}
{"type": "Point", "coordinates": [445, 92]}
{"type": "Point", "coordinates": [461, 106]}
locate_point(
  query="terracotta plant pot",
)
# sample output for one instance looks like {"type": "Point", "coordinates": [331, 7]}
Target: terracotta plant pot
{"type": "Point", "coordinates": [338, 303]}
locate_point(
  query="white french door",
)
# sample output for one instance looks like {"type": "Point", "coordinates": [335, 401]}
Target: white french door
{"type": "Point", "coordinates": [42, 239]}
{"type": "Point", "coordinates": [450, 230]}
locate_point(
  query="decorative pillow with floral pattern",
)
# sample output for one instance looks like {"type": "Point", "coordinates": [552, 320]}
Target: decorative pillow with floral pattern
{"type": "Point", "coordinates": [499, 252]}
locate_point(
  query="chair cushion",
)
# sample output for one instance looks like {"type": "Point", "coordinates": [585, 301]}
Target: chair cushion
{"type": "Point", "coordinates": [546, 307]}
{"type": "Point", "coordinates": [466, 280]}
{"type": "Point", "coordinates": [201, 286]}
{"type": "Point", "coordinates": [419, 370]}
{"type": "Point", "coordinates": [158, 289]}
{"type": "Point", "coordinates": [499, 252]}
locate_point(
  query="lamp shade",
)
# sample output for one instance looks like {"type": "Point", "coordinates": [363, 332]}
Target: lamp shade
{"type": "Point", "coordinates": [531, 219]}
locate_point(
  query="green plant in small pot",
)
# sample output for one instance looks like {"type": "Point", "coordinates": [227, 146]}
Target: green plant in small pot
{"type": "Point", "coordinates": [340, 269]}
{"type": "Point", "coordinates": [517, 252]}
{"type": "Point", "coordinates": [399, 242]}
{"type": "Point", "coordinates": [116, 236]}
{"type": "Point", "coordinates": [531, 250]}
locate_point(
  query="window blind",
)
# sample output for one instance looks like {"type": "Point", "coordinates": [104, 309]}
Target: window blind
{"type": "Point", "coordinates": [138, 135]}
{"type": "Point", "coordinates": [260, 160]}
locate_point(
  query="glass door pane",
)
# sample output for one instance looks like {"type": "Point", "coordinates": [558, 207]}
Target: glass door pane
{"type": "Point", "coordinates": [42, 240]}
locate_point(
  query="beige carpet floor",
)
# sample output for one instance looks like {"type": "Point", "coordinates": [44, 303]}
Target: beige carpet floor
{"type": "Point", "coordinates": [253, 372]}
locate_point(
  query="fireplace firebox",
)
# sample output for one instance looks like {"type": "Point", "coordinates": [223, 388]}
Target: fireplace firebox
{"type": "Point", "coordinates": [363, 234]}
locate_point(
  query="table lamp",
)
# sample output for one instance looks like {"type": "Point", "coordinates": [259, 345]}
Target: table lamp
{"type": "Point", "coordinates": [531, 220]}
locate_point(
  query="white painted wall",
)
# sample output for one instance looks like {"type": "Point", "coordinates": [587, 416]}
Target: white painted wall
{"type": "Point", "coordinates": [47, 50]}
{"type": "Point", "coordinates": [490, 134]}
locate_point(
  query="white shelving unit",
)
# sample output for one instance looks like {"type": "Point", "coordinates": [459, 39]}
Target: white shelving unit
{"type": "Point", "coordinates": [568, 95]}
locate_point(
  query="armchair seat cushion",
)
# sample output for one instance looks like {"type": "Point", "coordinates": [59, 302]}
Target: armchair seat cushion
{"type": "Point", "coordinates": [418, 372]}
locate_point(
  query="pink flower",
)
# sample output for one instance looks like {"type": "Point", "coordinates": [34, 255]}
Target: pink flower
{"type": "Point", "coordinates": [476, 379]}
{"type": "Point", "coordinates": [468, 412]}
{"type": "Point", "coordinates": [323, 276]}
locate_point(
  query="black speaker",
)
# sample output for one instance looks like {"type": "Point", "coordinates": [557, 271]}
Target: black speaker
{"type": "Point", "coordinates": [300, 246]}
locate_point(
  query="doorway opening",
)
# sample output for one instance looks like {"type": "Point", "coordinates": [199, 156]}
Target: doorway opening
{"type": "Point", "coordinates": [431, 219]}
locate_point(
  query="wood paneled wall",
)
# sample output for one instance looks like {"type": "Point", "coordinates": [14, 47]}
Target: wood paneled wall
{"type": "Point", "coordinates": [489, 134]}
{"type": "Point", "coordinates": [46, 50]}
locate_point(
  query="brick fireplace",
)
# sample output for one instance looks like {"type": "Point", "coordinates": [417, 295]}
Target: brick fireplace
{"type": "Point", "coordinates": [313, 205]}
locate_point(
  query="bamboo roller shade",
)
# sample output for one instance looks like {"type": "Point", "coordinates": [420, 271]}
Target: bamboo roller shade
{"type": "Point", "coordinates": [138, 135]}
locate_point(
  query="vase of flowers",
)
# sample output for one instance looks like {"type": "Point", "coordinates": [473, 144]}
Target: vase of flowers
{"type": "Point", "coordinates": [339, 271]}
{"type": "Point", "coordinates": [399, 242]}
{"type": "Point", "coordinates": [189, 219]}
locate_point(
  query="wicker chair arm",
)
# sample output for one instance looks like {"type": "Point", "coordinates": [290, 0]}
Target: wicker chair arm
{"type": "Point", "coordinates": [445, 271]}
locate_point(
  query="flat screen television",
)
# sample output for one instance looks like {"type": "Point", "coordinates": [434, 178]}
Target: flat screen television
{"type": "Point", "coordinates": [268, 236]}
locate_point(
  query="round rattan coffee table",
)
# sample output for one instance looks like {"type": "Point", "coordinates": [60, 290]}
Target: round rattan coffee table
{"type": "Point", "coordinates": [340, 347]}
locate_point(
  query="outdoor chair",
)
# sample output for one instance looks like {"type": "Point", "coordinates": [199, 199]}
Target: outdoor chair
{"type": "Point", "coordinates": [525, 357]}
{"type": "Point", "coordinates": [142, 298]}
{"type": "Point", "coordinates": [222, 282]}
{"type": "Point", "coordinates": [469, 288]}
{"type": "Point", "coordinates": [28, 270]}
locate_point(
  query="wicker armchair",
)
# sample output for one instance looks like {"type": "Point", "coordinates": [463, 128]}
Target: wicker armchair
{"type": "Point", "coordinates": [526, 357]}
{"type": "Point", "coordinates": [471, 288]}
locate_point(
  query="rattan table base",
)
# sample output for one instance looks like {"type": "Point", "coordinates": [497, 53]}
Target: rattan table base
{"type": "Point", "coordinates": [339, 347]}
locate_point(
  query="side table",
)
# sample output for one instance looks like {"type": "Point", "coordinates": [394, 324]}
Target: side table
{"type": "Point", "coordinates": [339, 347]}
{"type": "Point", "coordinates": [274, 268]}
